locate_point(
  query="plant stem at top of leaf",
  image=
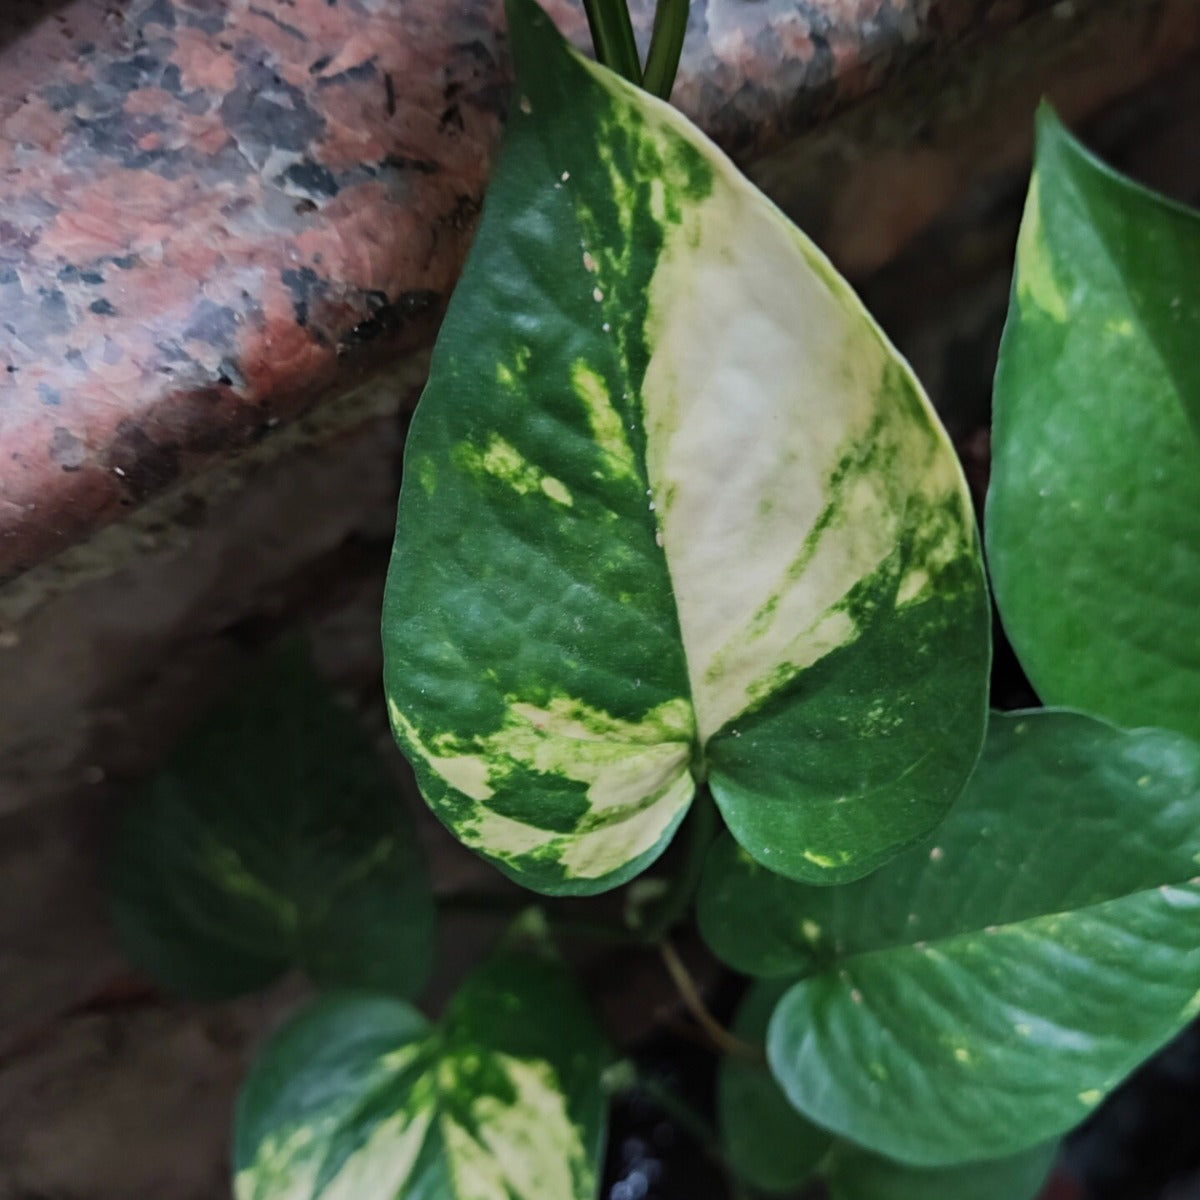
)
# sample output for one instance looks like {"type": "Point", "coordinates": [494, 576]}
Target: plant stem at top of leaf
{"type": "Point", "coordinates": [612, 35]}
{"type": "Point", "coordinates": [666, 44]}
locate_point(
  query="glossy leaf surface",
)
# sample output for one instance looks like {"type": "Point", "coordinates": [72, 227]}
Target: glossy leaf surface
{"type": "Point", "coordinates": [673, 509]}
{"type": "Point", "coordinates": [773, 1147]}
{"type": "Point", "coordinates": [272, 838]}
{"type": "Point", "coordinates": [360, 1098]}
{"type": "Point", "coordinates": [1094, 508]}
{"type": "Point", "coordinates": [982, 992]}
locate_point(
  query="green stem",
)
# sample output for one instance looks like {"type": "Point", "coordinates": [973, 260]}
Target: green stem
{"type": "Point", "coordinates": [723, 1041]}
{"type": "Point", "coordinates": [612, 35]}
{"type": "Point", "coordinates": [703, 825]}
{"type": "Point", "coordinates": [666, 45]}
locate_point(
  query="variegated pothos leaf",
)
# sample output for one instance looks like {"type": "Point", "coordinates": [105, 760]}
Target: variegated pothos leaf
{"type": "Point", "coordinates": [361, 1098]}
{"type": "Point", "coordinates": [674, 510]}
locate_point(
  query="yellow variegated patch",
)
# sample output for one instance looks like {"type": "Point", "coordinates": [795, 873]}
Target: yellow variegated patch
{"type": "Point", "coordinates": [1035, 280]}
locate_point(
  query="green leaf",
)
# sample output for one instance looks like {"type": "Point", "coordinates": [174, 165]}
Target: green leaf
{"type": "Point", "coordinates": [855, 1174]}
{"type": "Point", "coordinates": [272, 838]}
{"type": "Point", "coordinates": [1094, 509]}
{"type": "Point", "coordinates": [768, 1142]}
{"type": "Point", "coordinates": [985, 990]}
{"type": "Point", "coordinates": [359, 1098]}
{"type": "Point", "coordinates": [775, 1148]}
{"type": "Point", "coordinates": [674, 510]}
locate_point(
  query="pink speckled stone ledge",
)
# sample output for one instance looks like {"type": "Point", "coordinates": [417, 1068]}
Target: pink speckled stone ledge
{"type": "Point", "coordinates": [216, 213]}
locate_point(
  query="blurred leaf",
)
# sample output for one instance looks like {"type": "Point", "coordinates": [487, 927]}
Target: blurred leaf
{"type": "Point", "coordinates": [360, 1098]}
{"type": "Point", "coordinates": [272, 838]}
{"type": "Point", "coordinates": [856, 1174]}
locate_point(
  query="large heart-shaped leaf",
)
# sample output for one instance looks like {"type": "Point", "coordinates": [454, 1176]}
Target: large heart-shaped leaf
{"type": "Point", "coordinates": [775, 1148]}
{"type": "Point", "coordinates": [360, 1098]}
{"type": "Point", "coordinates": [272, 838]}
{"type": "Point", "coordinates": [986, 989]}
{"type": "Point", "coordinates": [673, 510]}
{"type": "Point", "coordinates": [1094, 509]}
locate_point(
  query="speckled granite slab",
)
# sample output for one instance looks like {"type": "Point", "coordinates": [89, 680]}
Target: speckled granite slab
{"type": "Point", "coordinates": [214, 213]}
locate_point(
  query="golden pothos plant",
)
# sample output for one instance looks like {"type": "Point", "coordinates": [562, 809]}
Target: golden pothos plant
{"type": "Point", "coordinates": [682, 542]}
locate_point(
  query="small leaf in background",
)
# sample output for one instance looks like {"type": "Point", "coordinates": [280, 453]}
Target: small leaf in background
{"type": "Point", "coordinates": [985, 990]}
{"type": "Point", "coordinates": [674, 511]}
{"type": "Point", "coordinates": [769, 1144]}
{"type": "Point", "coordinates": [272, 838]}
{"type": "Point", "coordinates": [772, 1146]}
{"type": "Point", "coordinates": [360, 1097]}
{"type": "Point", "coordinates": [1093, 515]}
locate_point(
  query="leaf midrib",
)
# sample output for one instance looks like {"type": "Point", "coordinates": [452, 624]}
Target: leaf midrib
{"type": "Point", "coordinates": [618, 366]}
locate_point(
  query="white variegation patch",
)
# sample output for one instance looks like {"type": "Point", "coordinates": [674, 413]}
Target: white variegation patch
{"type": "Point", "coordinates": [638, 778]}
{"type": "Point", "coordinates": [655, 802]}
{"type": "Point", "coordinates": [466, 773]}
{"type": "Point", "coordinates": [526, 1149]}
{"type": "Point", "coordinates": [289, 1167]}
{"type": "Point", "coordinates": [767, 410]}
{"type": "Point", "coordinates": [384, 1165]}
{"type": "Point", "coordinates": [594, 853]}
{"type": "Point", "coordinates": [521, 1148]}
{"type": "Point", "coordinates": [285, 1167]}
{"type": "Point", "coordinates": [795, 479]}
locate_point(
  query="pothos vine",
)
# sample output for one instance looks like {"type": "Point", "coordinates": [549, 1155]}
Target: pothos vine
{"type": "Point", "coordinates": [681, 543]}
